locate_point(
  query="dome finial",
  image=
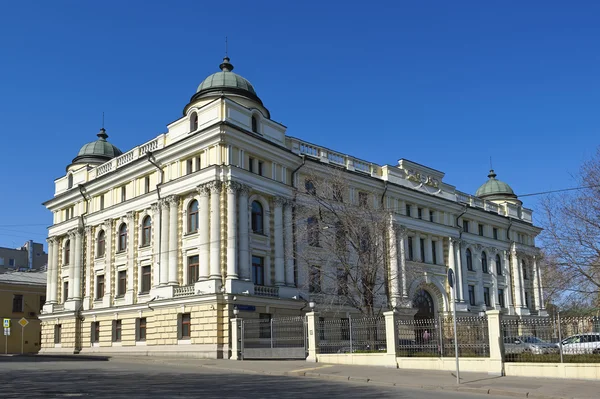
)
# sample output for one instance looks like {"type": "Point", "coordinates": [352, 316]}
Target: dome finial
{"type": "Point", "coordinates": [226, 65]}
{"type": "Point", "coordinates": [492, 174]}
{"type": "Point", "coordinates": [102, 134]}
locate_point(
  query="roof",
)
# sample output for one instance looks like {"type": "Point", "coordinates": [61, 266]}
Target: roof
{"type": "Point", "coordinates": [24, 278]}
{"type": "Point", "coordinates": [494, 187]}
{"type": "Point", "coordinates": [98, 151]}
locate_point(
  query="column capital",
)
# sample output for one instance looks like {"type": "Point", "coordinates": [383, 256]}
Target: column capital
{"type": "Point", "coordinates": [129, 216]}
{"type": "Point", "coordinates": [87, 230]}
{"type": "Point", "coordinates": [51, 240]}
{"type": "Point", "coordinates": [402, 231]}
{"type": "Point", "coordinates": [172, 200]}
{"type": "Point", "coordinates": [155, 207]}
{"type": "Point", "coordinates": [456, 241]}
{"type": "Point", "coordinates": [280, 201]}
{"type": "Point", "coordinates": [232, 187]}
{"type": "Point", "coordinates": [244, 189]}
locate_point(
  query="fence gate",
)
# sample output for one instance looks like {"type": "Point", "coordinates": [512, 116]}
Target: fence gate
{"type": "Point", "coordinates": [281, 338]}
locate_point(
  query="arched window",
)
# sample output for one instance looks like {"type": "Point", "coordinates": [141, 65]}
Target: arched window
{"type": "Point", "coordinates": [254, 124]}
{"type": "Point", "coordinates": [67, 252]}
{"type": "Point", "coordinates": [469, 260]}
{"type": "Point", "coordinates": [146, 231]}
{"type": "Point", "coordinates": [484, 263]}
{"type": "Point", "coordinates": [524, 267]}
{"type": "Point", "coordinates": [70, 180]}
{"type": "Point", "coordinates": [193, 122]}
{"type": "Point", "coordinates": [192, 217]}
{"type": "Point", "coordinates": [309, 186]}
{"type": "Point", "coordinates": [101, 244]}
{"type": "Point", "coordinates": [123, 237]}
{"type": "Point", "coordinates": [498, 265]}
{"type": "Point", "coordinates": [257, 218]}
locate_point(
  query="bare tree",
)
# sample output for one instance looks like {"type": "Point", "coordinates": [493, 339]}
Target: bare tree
{"type": "Point", "coordinates": [343, 249]}
{"type": "Point", "coordinates": [572, 240]}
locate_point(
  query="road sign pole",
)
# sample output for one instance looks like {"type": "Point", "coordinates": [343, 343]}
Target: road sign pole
{"type": "Point", "coordinates": [5, 344]}
{"type": "Point", "coordinates": [22, 337]}
{"type": "Point", "coordinates": [451, 281]}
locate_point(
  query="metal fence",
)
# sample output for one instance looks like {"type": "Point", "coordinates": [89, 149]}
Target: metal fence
{"type": "Point", "coordinates": [348, 335]}
{"type": "Point", "coordinates": [435, 337]}
{"type": "Point", "coordinates": [274, 338]}
{"type": "Point", "coordinates": [552, 339]}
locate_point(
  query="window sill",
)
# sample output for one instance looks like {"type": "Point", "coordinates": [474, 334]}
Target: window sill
{"type": "Point", "coordinates": [121, 296]}
{"type": "Point", "coordinates": [116, 343]}
{"type": "Point", "coordinates": [140, 343]}
{"type": "Point", "coordinates": [57, 345]}
{"type": "Point", "coordinates": [121, 252]}
{"type": "Point", "coordinates": [143, 246]}
{"type": "Point", "coordinates": [261, 234]}
{"type": "Point", "coordinates": [190, 233]}
{"type": "Point", "coordinates": [100, 257]}
{"type": "Point", "coordinates": [184, 341]}
{"type": "Point", "coordinates": [98, 300]}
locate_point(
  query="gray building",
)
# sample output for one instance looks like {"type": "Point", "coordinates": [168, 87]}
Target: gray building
{"type": "Point", "coordinates": [30, 256]}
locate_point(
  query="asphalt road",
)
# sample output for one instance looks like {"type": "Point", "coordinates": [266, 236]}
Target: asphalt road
{"type": "Point", "coordinates": [33, 378]}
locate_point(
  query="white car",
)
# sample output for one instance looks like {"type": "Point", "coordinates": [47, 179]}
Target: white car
{"type": "Point", "coordinates": [588, 343]}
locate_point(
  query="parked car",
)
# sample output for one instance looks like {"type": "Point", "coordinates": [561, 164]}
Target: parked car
{"type": "Point", "coordinates": [578, 344]}
{"type": "Point", "coordinates": [528, 344]}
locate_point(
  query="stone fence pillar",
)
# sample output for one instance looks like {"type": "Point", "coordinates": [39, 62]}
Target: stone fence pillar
{"type": "Point", "coordinates": [236, 339]}
{"type": "Point", "coordinates": [390, 339]}
{"type": "Point", "coordinates": [313, 336]}
{"type": "Point", "coordinates": [495, 336]}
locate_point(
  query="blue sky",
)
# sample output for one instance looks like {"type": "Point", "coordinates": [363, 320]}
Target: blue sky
{"type": "Point", "coordinates": [445, 84]}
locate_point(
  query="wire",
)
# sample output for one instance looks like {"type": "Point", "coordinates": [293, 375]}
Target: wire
{"type": "Point", "coordinates": [560, 190]}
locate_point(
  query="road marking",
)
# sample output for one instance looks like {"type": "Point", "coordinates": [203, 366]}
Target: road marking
{"type": "Point", "coordinates": [312, 368]}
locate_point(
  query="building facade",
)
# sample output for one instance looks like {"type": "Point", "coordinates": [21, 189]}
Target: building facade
{"type": "Point", "coordinates": [150, 250]}
{"type": "Point", "coordinates": [30, 256]}
{"type": "Point", "coordinates": [22, 295]}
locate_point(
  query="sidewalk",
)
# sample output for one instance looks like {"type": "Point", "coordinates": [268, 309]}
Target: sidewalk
{"type": "Point", "coordinates": [541, 388]}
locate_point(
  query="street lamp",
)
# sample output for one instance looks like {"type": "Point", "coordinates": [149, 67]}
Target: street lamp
{"type": "Point", "coordinates": [236, 311]}
{"type": "Point", "coordinates": [311, 305]}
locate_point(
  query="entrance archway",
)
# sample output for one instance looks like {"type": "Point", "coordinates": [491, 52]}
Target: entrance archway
{"type": "Point", "coordinates": [423, 302]}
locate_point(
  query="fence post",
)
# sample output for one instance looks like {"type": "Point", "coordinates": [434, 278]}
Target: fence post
{"type": "Point", "coordinates": [495, 338]}
{"type": "Point", "coordinates": [313, 336]}
{"type": "Point", "coordinates": [390, 339]}
{"type": "Point", "coordinates": [236, 339]}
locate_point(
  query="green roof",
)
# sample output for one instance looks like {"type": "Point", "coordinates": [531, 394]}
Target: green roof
{"type": "Point", "coordinates": [98, 151]}
{"type": "Point", "coordinates": [494, 187]}
{"type": "Point", "coordinates": [226, 80]}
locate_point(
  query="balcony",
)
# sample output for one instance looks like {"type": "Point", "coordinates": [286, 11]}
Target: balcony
{"type": "Point", "coordinates": [186, 290]}
{"type": "Point", "coordinates": [271, 292]}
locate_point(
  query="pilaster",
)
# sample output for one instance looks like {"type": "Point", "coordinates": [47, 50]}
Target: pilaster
{"type": "Point", "coordinates": [215, 230]}
{"type": "Point", "coordinates": [289, 245]}
{"type": "Point", "coordinates": [244, 229]}
{"type": "Point", "coordinates": [232, 242]}
{"type": "Point", "coordinates": [163, 265]}
{"type": "Point", "coordinates": [278, 203]}
{"type": "Point", "coordinates": [204, 230]}
{"type": "Point", "coordinates": [173, 247]}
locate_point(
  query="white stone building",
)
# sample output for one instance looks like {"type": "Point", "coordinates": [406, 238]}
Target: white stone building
{"type": "Point", "coordinates": [148, 248]}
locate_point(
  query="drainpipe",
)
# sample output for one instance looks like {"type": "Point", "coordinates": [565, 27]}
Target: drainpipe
{"type": "Point", "coordinates": [460, 233]}
{"type": "Point", "coordinates": [296, 170]}
{"type": "Point", "coordinates": [150, 159]}
{"type": "Point", "coordinates": [78, 317]}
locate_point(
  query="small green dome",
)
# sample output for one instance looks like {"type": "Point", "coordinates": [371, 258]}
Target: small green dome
{"type": "Point", "coordinates": [228, 82]}
{"type": "Point", "coordinates": [495, 188]}
{"type": "Point", "coordinates": [98, 151]}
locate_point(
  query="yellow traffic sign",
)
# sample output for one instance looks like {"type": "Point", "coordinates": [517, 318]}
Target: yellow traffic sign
{"type": "Point", "coordinates": [23, 322]}
{"type": "Point", "coordinates": [6, 323]}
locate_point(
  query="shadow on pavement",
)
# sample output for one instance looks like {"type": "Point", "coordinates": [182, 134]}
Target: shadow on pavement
{"type": "Point", "coordinates": [51, 358]}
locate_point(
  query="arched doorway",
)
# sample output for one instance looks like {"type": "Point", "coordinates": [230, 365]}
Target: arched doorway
{"type": "Point", "coordinates": [423, 302]}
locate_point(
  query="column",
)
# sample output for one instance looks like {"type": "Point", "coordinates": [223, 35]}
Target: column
{"type": "Point", "coordinates": [428, 249]}
{"type": "Point", "coordinates": [215, 230]}
{"type": "Point", "coordinates": [89, 269]}
{"type": "Point", "coordinates": [536, 285]}
{"type": "Point", "coordinates": [107, 261]}
{"type": "Point", "coordinates": [278, 238]}
{"type": "Point", "coordinates": [76, 287]}
{"type": "Point", "coordinates": [540, 287]}
{"type": "Point", "coordinates": [478, 270]}
{"type": "Point", "coordinates": [289, 244]}
{"type": "Point", "coordinates": [72, 246]}
{"type": "Point", "coordinates": [130, 255]}
{"type": "Point", "coordinates": [417, 251]}
{"type": "Point", "coordinates": [506, 270]}
{"type": "Point", "coordinates": [492, 267]}
{"type": "Point", "coordinates": [173, 232]}
{"type": "Point", "coordinates": [164, 242]}
{"type": "Point", "coordinates": [232, 243]}
{"type": "Point", "coordinates": [402, 237]}
{"type": "Point", "coordinates": [462, 275]}
{"type": "Point", "coordinates": [394, 272]}
{"type": "Point", "coordinates": [55, 269]}
{"type": "Point", "coordinates": [156, 246]}
{"type": "Point", "coordinates": [204, 230]}
{"type": "Point", "coordinates": [516, 272]}
{"type": "Point", "coordinates": [50, 270]}
{"type": "Point", "coordinates": [244, 229]}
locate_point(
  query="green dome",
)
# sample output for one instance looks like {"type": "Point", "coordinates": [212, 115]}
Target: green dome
{"type": "Point", "coordinates": [494, 188]}
{"type": "Point", "coordinates": [98, 151]}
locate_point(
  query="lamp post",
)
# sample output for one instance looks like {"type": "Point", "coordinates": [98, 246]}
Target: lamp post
{"type": "Point", "coordinates": [236, 311]}
{"type": "Point", "coordinates": [311, 305]}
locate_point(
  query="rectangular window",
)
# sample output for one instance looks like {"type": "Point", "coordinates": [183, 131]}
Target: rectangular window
{"type": "Point", "coordinates": [465, 226]}
{"type": "Point", "coordinates": [57, 333]}
{"type": "Point", "coordinates": [146, 279]}
{"type": "Point", "coordinates": [123, 194]}
{"type": "Point", "coordinates": [11, 262]}
{"type": "Point", "coordinates": [433, 252]}
{"type": "Point", "coordinates": [116, 331]}
{"type": "Point", "coordinates": [315, 279]}
{"type": "Point", "coordinates": [407, 210]}
{"type": "Point", "coordinates": [501, 298]}
{"type": "Point", "coordinates": [432, 216]}
{"type": "Point", "coordinates": [99, 286]}
{"type": "Point", "coordinates": [472, 295]}
{"type": "Point", "coordinates": [189, 166]}
{"type": "Point", "coordinates": [1, 261]}
{"type": "Point", "coordinates": [420, 213]}
{"type": "Point", "coordinates": [122, 283]}
{"type": "Point", "coordinates": [95, 332]}
{"type": "Point", "coordinates": [264, 325]}
{"type": "Point", "coordinates": [193, 268]}
{"type": "Point", "coordinates": [185, 326]}
{"type": "Point", "coordinates": [198, 163]}
{"type": "Point", "coordinates": [486, 296]}
{"type": "Point", "coordinates": [260, 167]}
{"type": "Point", "coordinates": [140, 329]}
{"type": "Point", "coordinates": [17, 303]}
{"type": "Point", "coordinates": [313, 231]}
{"type": "Point", "coordinates": [65, 293]}
{"type": "Point", "coordinates": [495, 233]}
{"type": "Point", "coordinates": [101, 202]}
{"type": "Point", "coordinates": [410, 249]}
{"type": "Point", "coordinates": [526, 299]}
{"type": "Point", "coordinates": [146, 184]}
{"type": "Point", "coordinates": [258, 270]}
{"type": "Point", "coordinates": [422, 242]}
{"type": "Point", "coordinates": [480, 228]}
{"type": "Point", "coordinates": [251, 165]}
{"type": "Point", "coordinates": [363, 198]}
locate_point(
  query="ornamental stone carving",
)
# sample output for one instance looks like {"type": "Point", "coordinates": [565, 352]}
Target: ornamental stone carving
{"type": "Point", "coordinates": [232, 187]}
{"type": "Point", "coordinates": [204, 189]}
{"type": "Point", "coordinates": [402, 231]}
